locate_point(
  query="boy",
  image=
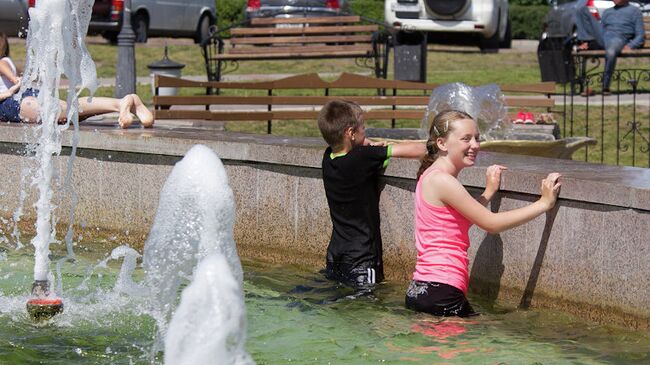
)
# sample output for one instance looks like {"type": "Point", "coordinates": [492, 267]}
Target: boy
{"type": "Point", "coordinates": [351, 168]}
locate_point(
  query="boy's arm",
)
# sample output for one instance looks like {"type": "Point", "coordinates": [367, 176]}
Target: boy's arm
{"type": "Point", "coordinates": [409, 149]}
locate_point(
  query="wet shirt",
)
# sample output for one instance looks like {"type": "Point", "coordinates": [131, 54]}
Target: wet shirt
{"type": "Point", "coordinates": [351, 187]}
{"type": "Point", "coordinates": [5, 83]}
{"type": "Point", "coordinates": [442, 241]}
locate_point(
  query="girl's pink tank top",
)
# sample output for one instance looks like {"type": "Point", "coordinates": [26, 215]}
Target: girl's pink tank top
{"type": "Point", "coordinates": [442, 240]}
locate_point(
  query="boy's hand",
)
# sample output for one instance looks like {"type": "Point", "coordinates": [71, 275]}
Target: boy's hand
{"type": "Point", "coordinates": [368, 142]}
{"type": "Point", "coordinates": [493, 178]}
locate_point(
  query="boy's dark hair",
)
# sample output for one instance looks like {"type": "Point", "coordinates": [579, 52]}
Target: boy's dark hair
{"type": "Point", "coordinates": [4, 45]}
{"type": "Point", "coordinates": [337, 116]}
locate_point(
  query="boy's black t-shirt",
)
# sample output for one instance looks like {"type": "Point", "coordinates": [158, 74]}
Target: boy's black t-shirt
{"type": "Point", "coordinates": [351, 187]}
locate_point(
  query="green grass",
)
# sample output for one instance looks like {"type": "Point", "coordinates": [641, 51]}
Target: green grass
{"type": "Point", "coordinates": [443, 66]}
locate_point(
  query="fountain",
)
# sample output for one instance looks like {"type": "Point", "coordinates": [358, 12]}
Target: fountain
{"type": "Point", "coordinates": [55, 48]}
{"type": "Point", "coordinates": [194, 221]}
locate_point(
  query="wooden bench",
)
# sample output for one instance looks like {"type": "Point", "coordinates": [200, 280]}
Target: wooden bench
{"type": "Point", "coordinates": [298, 38]}
{"type": "Point", "coordinates": [301, 97]}
{"type": "Point", "coordinates": [581, 57]}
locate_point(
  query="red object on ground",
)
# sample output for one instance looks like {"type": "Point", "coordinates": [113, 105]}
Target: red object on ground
{"type": "Point", "coordinates": [45, 301]}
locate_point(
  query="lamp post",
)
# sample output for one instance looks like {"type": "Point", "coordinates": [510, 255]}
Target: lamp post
{"type": "Point", "coordinates": [125, 77]}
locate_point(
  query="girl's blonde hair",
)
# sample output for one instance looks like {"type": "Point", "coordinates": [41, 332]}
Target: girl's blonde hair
{"type": "Point", "coordinates": [441, 126]}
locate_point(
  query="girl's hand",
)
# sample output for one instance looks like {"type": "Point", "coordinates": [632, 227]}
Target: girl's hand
{"type": "Point", "coordinates": [493, 178]}
{"type": "Point", "coordinates": [14, 88]}
{"type": "Point", "coordinates": [550, 189]}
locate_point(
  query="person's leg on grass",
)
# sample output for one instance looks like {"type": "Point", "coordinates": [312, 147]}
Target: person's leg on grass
{"type": "Point", "coordinates": [613, 46]}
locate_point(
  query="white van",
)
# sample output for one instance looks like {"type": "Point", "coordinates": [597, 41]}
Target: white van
{"type": "Point", "coordinates": [484, 22]}
{"type": "Point", "coordinates": [150, 18]}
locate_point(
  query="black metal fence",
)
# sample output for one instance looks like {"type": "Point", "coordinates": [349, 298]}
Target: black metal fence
{"type": "Point", "coordinates": [619, 120]}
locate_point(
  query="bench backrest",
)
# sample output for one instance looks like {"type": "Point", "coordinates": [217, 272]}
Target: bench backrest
{"type": "Point", "coordinates": [304, 95]}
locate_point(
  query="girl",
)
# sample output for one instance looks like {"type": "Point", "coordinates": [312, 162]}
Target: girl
{"type": "Point", "coordinates": [444, 211]}
{"type": "Point", "coordinates": [27, 109]}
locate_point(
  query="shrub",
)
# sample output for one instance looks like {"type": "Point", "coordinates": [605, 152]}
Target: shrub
{"type": "Point", "coordinates": [372, 9]}
{"type": "Point", "coordinates": [230, 12]}
{"type": "Point", "coordinates": [526, 21]}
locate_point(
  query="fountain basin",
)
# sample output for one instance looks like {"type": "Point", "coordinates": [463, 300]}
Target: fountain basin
{"type": "Point", "coordinates": [587, 258]}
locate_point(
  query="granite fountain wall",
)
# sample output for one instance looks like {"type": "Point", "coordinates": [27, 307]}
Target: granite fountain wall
{"type": "Point", "coordinates": [590, 256]}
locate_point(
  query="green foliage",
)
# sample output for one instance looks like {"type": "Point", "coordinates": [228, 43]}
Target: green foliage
{"type": "Point", "coordinates": [372, 9]}
{"type": "Point", "coordinates": [527, 21]}
{"type": "Point", "coordinates": [528, 2]}
{"type": "Point", "coordinates": [230, 12]}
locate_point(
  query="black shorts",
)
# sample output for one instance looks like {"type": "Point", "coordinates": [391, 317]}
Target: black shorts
{"type": "Point", "coordinates": [438, 299]}
{"type": "Point", "coordinates": [360, 277]}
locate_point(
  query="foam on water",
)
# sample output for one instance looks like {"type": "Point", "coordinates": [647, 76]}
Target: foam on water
{"type": "Point", "coordinates": [195, 218]}
{"type": "Point", "coordinates": [209, 325]}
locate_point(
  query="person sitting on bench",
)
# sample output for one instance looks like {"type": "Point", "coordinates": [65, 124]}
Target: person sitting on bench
{"type": "Point", "coordinates": [621, 28]}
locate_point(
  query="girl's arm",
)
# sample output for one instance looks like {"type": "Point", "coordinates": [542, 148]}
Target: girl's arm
{"type": "Point", "coordinates": [492, 182]}
{"type": "Point", "coordinates": [12, 90]}
{"type": "Point", "coordinates": [6, 71]}
{"type": "Point", "coordinates": [451, 192]}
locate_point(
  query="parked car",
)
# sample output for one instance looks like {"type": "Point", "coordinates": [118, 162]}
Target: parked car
{"type": "Point", "coordinates": [482, 22]}
{"type": "Point", "coordinates": [13, 17]}
{"type": "Point", "coordinates": [166, 18]}
{"type": "Point", "coordinates": [296, 8]}
{"type": "Point", "coordinates": [559, 22]}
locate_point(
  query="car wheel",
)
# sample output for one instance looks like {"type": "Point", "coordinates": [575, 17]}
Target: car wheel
{"type": "Point", "coordinates": [111, 37]}
{"type": "Point", "coordinates": [203, 29]}
{"type": "Point", "coordinates": [490, 45]}
{"type": "Point", "coordinates": [140, 28]}
{"type": "Point", "coordinates": [507, 39]}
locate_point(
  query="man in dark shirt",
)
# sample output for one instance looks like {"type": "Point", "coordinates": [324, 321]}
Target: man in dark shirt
{"type": "Point", "coordinates": [351, 169]}
{"type": "Point", "coordinates": [621, 28]}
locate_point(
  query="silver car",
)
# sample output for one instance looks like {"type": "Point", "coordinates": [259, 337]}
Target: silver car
{"type": "Point", "coordinates": [295, 8]}
{"type": "Point", "coordinates": [13, 17]}
{"type": "Point", "coordinates": [166, 18]}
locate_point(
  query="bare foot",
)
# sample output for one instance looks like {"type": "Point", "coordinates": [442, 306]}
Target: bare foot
{"type": "Point", "coordinates": [126, 104]}
{"type": "Point", "coordinates": [141, 110]}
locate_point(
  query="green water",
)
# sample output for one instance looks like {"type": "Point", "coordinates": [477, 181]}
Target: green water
{"type": "Point", "coordinates": [293, 319]}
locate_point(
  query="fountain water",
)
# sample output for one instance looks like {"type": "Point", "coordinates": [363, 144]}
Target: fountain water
{"type": "Point", "coordinates": [483, 103]}
{"type": "Point", "coordinates": [55, 48]}
{"type": "Point", "coordinates": [194, 220]}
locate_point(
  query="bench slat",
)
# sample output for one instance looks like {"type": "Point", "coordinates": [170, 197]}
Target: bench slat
{"type": "Point", "coordinates": [299, 49]}
{"type": "Point", "coordinates": [302, 39]}
{"type": "Point", "coordinates": [628, 53]}
{"type": "Point", "coordinates": [290, 55]}
{"type": "Point", "coordinates": [303, 30]}
{"type": "Point", "coordinates": [346, 80]}
{"type": "Point", "coordinates": [279, 115]}
{"type": "Point", "coordinates": [515, 101]}
{"type": "Point", "coordinates": [303, 20]}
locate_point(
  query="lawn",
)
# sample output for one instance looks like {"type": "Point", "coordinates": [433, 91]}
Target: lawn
{"type": "Point", "coordinates": [444, 65]}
